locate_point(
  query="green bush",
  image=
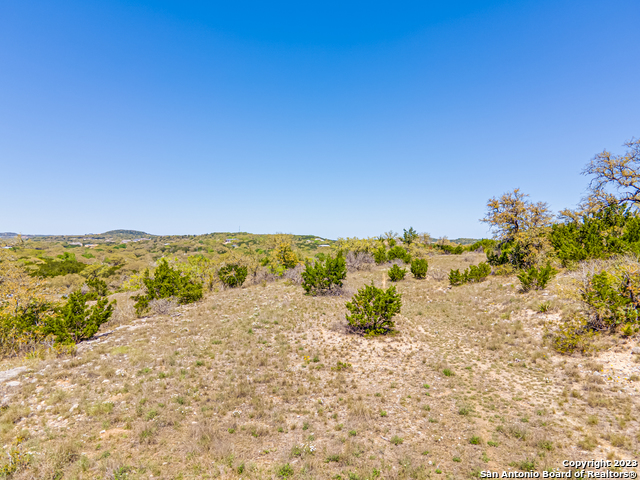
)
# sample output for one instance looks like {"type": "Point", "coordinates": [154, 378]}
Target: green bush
{"type": "Point", "coordinates": [457, 250]}
{"type": "Point", "coordinates": [98, 288]}
{"type": "Point", "coordinates": [536, 278]}
{"type": "Point", "coordinates": [477, 273]}
{"type": "Point", "coordinates": [372, 309]}
{"type": "Point", "coordinates": [473, 274]}
{"type": "Point", "coordinates": [24, 329]}
{"type": "Point", "coordinates": [419, 268]}
{"type": "Point", "coordinates": [232, 275]}
{"type": "Point", "coordinates": [66, 264]}
{"type": "Point", "coordinates": [322, 277]}
{"type": "Point", "coordinates": [380, 255]}
{"type": "Point", "coordinates": [75, 321]}
{"type": "Point", "coordinates": [398, 252]}
{"type": "Point", "coordinates": [609, 231]}
{"type": "Point", "coordinates": [612, 299]}
{"type": "Point", "coordinates": [456, 278]}
{"type": "Point", "coordinates": [166, 283]}
{"type": "Point", "coordinates": [396, 273]}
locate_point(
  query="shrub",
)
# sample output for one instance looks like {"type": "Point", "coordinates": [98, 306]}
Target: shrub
{"type": "Point", "coordinates": [98, 288]}
{"type": "Point", "coordinates": [456, 278]}
{"type": "Point", "coordinates": [609, 231]}
{"type": "Point", "coordinates": [473, 274]}
{"type": "Point", "coordinates": [232, 275]}
{"type": "Point", "coordinates": [284, 255]}
{"type": "Point", "coordinates": [380, 255]}
{"type": "Point", "coordinates": [372, 309]}
{"type": "Point", "coordinates": [398, 252]}
{"type": "Point", "coordinates": [75, 322]}
{"type": "Point", "coordinates": [536, 278]}
{"type": "Point", "coordinates": [612, 297]}
{"type": "Point", "coordinates": [166, 283]}
{"type": "Point", "coordinates": [419, 268]}
{"type": "Point", "coordinates": [477, 273]}
{"type": "Point", "coordinates": [574, 334]}
{"type": "Point", "coordinates": [396, 273]}
{"type": "Point", "coordinates": [322, 277]}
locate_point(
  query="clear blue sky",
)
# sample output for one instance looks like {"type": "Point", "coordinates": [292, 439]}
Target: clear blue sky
{"type": "Point", "coordinates": [334, 118]}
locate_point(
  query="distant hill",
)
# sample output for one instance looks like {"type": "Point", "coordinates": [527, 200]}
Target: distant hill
{"type": "Point", "coordinates": [8, 234]}
{"type": "Point", "coordinates": [465, 241]}
{"type": "Point", "coordinates": [134, 233]}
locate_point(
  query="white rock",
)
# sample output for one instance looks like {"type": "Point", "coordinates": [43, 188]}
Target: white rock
{"type": "Point", "coordinates": [75, 405]}
{"type": "Point", "coordinates": [13, 383]}
{"type": "Point", "coordinates": [14, 372]}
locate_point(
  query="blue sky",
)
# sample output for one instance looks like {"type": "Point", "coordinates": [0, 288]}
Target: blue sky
{"type": "Point", "coordinates": [327, 118]}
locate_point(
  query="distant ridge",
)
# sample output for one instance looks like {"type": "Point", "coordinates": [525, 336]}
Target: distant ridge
{"type": "Point", "coordinates": [127, 232]}
{"type": "Point", "coordinates": [8, 234]}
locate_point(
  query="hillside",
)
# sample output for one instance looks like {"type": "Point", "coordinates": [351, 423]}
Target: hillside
{"type": "Point", "coordinates": [263, 382]}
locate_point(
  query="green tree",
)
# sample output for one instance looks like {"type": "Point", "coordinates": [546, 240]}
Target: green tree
{"type": "Point", "coordinates": [409, 236]}
{"type": "Point", "coordinates": [521, 227]}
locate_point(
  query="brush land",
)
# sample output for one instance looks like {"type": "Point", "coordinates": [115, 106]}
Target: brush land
{"type": "Point", "coordinates": [263, 381]}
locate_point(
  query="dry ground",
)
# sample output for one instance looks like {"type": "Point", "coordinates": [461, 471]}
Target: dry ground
{"type": "Point", "coordinates": [264, 382]}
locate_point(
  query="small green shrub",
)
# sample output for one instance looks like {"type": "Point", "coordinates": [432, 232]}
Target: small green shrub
{"type": "Point", "coordinates": [75, 322]}
{"type": "Point", "coordinates": [396, 440]}
{"type": "Point", "coordinates": [398, 252]}
{"type": "Point", "coordinates": [612, 298]}
{"type": "Point", "coordinates": [477, 273]}
{"type": "Point", "coordinates": [232, 275]}
{"type": "Point", "coordinates": [419, 268]}
{"type": "Point", "coordinates": [372, 309]}
{"type": "Point", "coordinates": [473, 274]}
{"type": "Point", "coordinates": [456, 278]}
{"type": "Point", "coordinates": [324, 276]}
{"type": "Point", "coordinates": [166, 283]}
{"type": "Point", "coordinates": [396, 273]}
{"type": "Point", "coordinates": [380, 255]}
{"type": "Point", "coordinates": [536, 278]}
{"type": "Point", "coordinates": [475, 440]}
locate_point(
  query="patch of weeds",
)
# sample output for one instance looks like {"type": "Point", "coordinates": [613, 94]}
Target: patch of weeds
{"type": "Point", "coordinates": [545, 445]}
{"type": "Point", "coordinates": [588, 443]}
{"type": "Point", "coordinates": [456, 459]}
{"type": "Point", "coordinates": [492, 444]}
{"type": "Point", "coordinates": [341, 366]}
{"type": "Point", "coordinates": [396, 440]}
{"type": "Point", "coordinates": [285, 471]}
{"type": "Point", "coordinates": [332, 458]}
{"type": "Point", "coordinates": [527, 464]}
{"type": "Point", "coordinates": [383, 413]}
{"type": "Point", "coordinates": [475, 440]}
{"type": "Point", "coordinates": [447, 372]}
{"type": "Point", "coordinates": [352, 433]}
{"type": "Point", "coordinates": [465, 409]}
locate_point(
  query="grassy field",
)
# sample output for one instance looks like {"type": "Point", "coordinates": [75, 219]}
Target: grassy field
{"type": "Point", "coordinates": [265, 382]}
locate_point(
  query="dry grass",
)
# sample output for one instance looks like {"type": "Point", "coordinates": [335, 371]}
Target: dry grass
{"type": "Point", "coordinates": [251, 380]}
